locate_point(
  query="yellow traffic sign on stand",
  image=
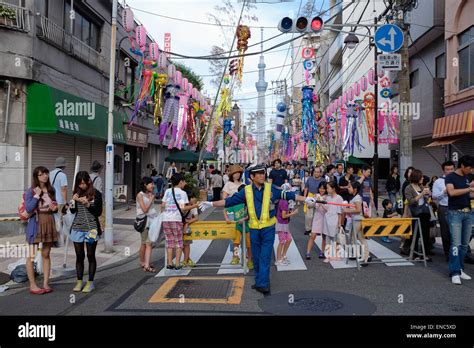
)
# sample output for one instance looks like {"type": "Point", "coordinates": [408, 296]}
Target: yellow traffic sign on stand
{"type": "Point", "coordinates": [211, 230]}
{"type": "Point", "coordinates": [387, 227]}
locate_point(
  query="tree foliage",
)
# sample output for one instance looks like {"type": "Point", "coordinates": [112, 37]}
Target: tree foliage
{"type": "Point", "coordinates": [192, 77]}
{"type": "Point", "coordinates": [226, 15]}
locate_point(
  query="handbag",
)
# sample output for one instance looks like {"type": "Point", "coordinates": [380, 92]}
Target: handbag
{"type": "Point", "coordinates": [92, 235]}
{"type": "Point", "coordinates": [183, 217]}
{"type": "Point", "coordinates": [341, 236]}
{"type": "Point", "coordinates": [140, 223]}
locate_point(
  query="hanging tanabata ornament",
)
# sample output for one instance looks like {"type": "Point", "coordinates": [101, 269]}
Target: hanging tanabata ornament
{"type": "Point", "coordinates": [308, 122]}
{"type": "Point", "coordinates": [351, 136]}
{"type": "Point", "coordinates": [243, 36]}
{"type": "Point", "coordinates": [369, 106]}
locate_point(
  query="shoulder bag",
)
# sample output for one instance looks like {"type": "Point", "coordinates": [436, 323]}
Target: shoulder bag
{"type": "Point", "coordinates": [417, 209]}
{"type": "Point", "coordinates": [183, 217]}
{"type": "Point", "coordinates": [140, 223]}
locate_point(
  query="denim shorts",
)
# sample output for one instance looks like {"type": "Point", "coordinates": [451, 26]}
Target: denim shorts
{"type": "Point", "coordinates": [79, 236]}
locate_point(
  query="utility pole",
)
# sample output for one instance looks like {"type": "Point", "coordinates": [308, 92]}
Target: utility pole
{"type": "Point", "coordinates": [376, 126]}
{"type": "Point", "coordinates": [405, 136]}
{"type": "Point", "coordinates": [109, 168]}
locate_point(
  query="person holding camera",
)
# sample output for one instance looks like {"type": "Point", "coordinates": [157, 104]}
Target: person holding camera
{"type": "Point", "coordinates": [86, 204]}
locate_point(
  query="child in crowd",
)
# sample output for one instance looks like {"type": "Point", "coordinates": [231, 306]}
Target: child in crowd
{"type": "Point", "coordinates": [283, 229]}
{"type": "Point", "coordinates": [332, 221]}
{"type": "Point", "coordinates": [318, 221]}
{"type": "Point", "coordinates": [190, 218]}
{"type": "Point", "coordinates": [239, 213]}
{"type": "Point", "coordinates": [356, 217]}
{"type": "Point", "coordinates": [388, 213]}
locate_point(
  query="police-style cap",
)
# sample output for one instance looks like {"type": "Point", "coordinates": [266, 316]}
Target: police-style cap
{"type": "Point", "coordinates": [258, 168]}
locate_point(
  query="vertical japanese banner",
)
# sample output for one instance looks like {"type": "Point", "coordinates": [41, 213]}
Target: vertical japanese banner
{"type": "Point", "coordinates": [167, 45]}
{"type": "Point", "coordinates": [388, 128]}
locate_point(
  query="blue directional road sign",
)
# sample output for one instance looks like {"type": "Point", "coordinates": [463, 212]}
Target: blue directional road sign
{"type": "Point", "coordinates": [389, 38]}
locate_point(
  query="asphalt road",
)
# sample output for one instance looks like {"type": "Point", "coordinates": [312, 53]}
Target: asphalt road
{"type": "Point", "coordinates": [320, 290]}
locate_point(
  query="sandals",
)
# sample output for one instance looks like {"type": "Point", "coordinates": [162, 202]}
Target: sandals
{"type": "Point", "coordinates": [149, 269]}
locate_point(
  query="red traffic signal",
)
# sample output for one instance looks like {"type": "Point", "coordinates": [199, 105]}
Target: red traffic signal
{"type": "Point", "coordinates": [317, 24]}
{"type": "Point", "coordinates": [301, 25]}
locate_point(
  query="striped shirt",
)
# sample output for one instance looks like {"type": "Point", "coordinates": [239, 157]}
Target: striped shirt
{"type": "Point", "coordinates": [84, 220]}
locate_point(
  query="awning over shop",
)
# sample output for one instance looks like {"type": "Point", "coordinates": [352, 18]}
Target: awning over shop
{"type": "Point", "coordinates": [457, 124]}
{"type": "Point", "coordinates": [443, 142]}
{"type": "Point", "coordinates": [183, 157]}
{"type": "Point", "coordinates": [355, 160]}
{"type": "Point", "coordinates": [50, 110]}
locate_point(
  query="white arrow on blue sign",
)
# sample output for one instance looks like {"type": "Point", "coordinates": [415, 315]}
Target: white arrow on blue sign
{"type": "Point", "coordinates": [389, 38]}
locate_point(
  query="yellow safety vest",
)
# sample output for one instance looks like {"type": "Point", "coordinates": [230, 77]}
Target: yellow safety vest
{"type": "Point", "coordinates": [265, 220]}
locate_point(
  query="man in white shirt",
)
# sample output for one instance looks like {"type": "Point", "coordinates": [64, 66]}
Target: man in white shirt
{"type": "Point", "coordinates": [440, 196]}
{"type": "Point", "coordinates": [59, 182]}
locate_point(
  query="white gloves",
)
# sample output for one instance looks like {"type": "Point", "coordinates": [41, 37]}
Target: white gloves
{"type": "Point", "coordinates": [205, 205]}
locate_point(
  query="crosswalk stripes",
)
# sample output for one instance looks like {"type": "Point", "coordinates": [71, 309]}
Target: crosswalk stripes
{"type": "Point", "coordinates": [383, 253]}
{"type": "Point", "coordinates": [229, 269]}
{"type": "Point", "coordinates": [293, 255]}
{"type": "Point", "coordinates": [336, 264]}
{"type": "Point", "coordinates": [198, 248]}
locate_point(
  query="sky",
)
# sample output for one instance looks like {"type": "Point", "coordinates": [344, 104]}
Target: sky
{"type": "Point", "coordinates": [196, 39]}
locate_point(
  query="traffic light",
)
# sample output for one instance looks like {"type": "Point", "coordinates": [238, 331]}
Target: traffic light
{"type": "Point", "coordinates": [301, 25]}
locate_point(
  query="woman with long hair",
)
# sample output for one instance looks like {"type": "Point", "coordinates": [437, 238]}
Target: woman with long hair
{"type": "Point", "coordinates": [418, 196]}
{"type": "Point", "coordinates": [86, 204]}
{"type": "Point", "coordinates": [41, 228]}
{"type": "Point", "coordinates": [146, 206]}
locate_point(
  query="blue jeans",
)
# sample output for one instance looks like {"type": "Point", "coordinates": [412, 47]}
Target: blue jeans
{"type": "Point", "coordinates": [460, 228]}
{"type": "Point", "coordinates": [261, 242]}
{"type": "Point", "coordinates": [392, 196]}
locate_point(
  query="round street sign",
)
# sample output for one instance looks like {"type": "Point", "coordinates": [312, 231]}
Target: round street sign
{"type": "Point", "coordinates": [389, 38]}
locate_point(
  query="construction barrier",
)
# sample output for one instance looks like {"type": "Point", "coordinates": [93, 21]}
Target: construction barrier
{"type": "Point", "coordinates": [387, 227]}
{"type": "Point", "coordinates": [218, 230]}
{"type": "Point", "coordinates": [403, 227]}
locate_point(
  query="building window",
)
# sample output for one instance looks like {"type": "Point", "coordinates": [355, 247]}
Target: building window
{"type": "Point", "coordinates": [126, 74]}
{"type": "Point", "coordinates": [414, 78]}
{"type": "Point", "coordinates": [441, 66]}
{"type": "Point", "coordinates": [84, 28]}
{"type": "Point", "coordinates": [466, 58]}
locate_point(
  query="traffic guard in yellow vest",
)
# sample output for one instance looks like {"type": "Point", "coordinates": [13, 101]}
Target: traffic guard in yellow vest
{"type": "Point", "coordinates": [260, 198]}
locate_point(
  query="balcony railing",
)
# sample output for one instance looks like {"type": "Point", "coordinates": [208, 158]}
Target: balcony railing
{"type": "Point", "coordinates": [53, 33]}
{"type": "Point", "coordinates": [14, 17]}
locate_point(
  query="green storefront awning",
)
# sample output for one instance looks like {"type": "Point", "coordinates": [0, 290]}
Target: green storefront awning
{"type": "Point", "coordinates": [50, 110]}
{"type": "Point", "coordinates": [183, 157]}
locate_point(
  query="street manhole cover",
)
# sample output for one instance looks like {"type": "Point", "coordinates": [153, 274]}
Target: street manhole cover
{"type": "Point", "coordinates": [4, 278]}
{"type": "Point", "coordinates": [200, 289]}
{"type": "Point", "coordinates": [226, 290]}
{"type": "Point", "coordinates": [316, 303]}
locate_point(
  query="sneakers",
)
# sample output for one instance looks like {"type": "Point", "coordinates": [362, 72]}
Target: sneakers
{"type": "Point", "coordinates": [308, 256]}
{"type": "Point", "coordinates": [386, 240]}
{"type": "Point", "coordinates": [321, 255]}
{"type": "Point", "coordinates": [464, 276]}
{"type": "Point", "coordinates": [89, 287]}
{"type": "Point", "coordinates": [78, 286]}
{"type": "Point", "coordinates": [285, 259]}
{"type": "Point", "coordinates": [282, 262]}
{"type": "Point", "coordinates": [456, 280]}
{"type": "Point", "coordinates": [235, 260]}
{"type": "Point", "coordinates": [250, 264]}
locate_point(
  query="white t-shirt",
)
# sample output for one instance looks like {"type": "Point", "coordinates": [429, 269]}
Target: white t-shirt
{"type": "Point", "coordinates": [231, 187]}
{"type": "Point", "coordinates": [60, 181]}
{"type": "Point", "coordinates": [171, 212]}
